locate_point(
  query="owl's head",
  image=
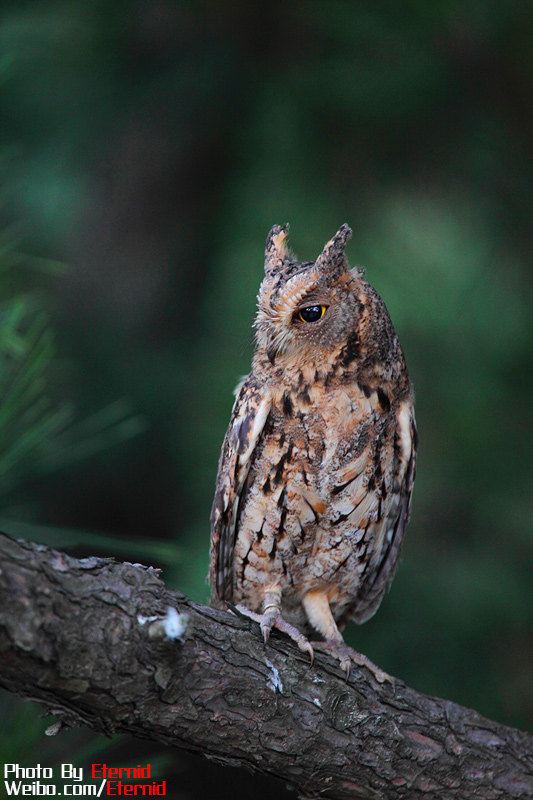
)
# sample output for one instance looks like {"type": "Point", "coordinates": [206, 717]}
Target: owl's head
{"type": "Point", "coordinates": [305, 307]}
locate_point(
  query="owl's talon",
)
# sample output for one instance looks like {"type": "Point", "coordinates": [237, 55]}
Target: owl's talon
{"type": "Point", "coordinates": [379, 674]}
{"type": "Point", "coordinates": [346, 666]}
{"type": "Point", "coordinates": [347, 656]}
{"type": "Point", "coordinates": [237, 610]}
{"type": "Point", "coordinates": [273, 619]}
{"type": "Point", "coordinates": [267, 622]}
{"type": "Point", "coordinates": [244, 612]}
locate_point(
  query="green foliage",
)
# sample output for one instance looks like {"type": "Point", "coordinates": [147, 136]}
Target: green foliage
{"type": "Point", "coordinates": [151, 550]}
{"type": "Point", "coordinates": [38, 435]}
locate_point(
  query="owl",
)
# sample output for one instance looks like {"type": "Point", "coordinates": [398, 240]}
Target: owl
{"type": "Point", "coordinates": [317, 467]}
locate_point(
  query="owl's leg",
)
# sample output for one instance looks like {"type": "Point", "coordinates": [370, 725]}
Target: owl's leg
{"type": "Point", "coordinates": [316, 605]}
{"type": "Point", "coordinates": [271, 618]}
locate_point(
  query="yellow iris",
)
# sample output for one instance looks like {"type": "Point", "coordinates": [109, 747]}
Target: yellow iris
{"type": "Point", "coordinates": [311, 313]}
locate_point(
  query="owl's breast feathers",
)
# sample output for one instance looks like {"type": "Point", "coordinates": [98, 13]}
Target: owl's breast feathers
{"type": "Point", "coordinates": [314, 484]}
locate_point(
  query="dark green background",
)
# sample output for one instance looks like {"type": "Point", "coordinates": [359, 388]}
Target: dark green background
{"type": "Point", "coordinates": [149, 146]}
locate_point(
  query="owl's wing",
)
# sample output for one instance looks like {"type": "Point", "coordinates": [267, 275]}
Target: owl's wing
{"type": "Point", "coordinates": [388, 529]}
{"type": "Point", "coordinates": [249, 415]}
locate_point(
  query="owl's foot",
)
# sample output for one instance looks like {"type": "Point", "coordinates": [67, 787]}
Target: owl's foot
{"type": "Point", "coordinates": [272, 619]}
{"type": "Point", "coordinates": [347, 656]}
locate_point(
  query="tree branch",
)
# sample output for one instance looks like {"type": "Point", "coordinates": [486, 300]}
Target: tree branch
{"type": "Point", "coordinates": [75, 637]}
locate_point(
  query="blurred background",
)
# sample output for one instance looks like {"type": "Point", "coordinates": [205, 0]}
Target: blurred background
{"type": "Point", "coordinates": [145, 150]}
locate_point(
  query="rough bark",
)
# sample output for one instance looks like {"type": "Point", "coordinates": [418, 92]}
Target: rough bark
{"type": "Point", "coordinates": [71, 639]}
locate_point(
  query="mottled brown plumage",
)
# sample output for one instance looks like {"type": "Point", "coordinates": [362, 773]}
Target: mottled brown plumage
{"type": "Point", "coordinates": [317, 467]}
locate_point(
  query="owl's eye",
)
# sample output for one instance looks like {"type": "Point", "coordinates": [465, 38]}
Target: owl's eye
{"type": "Point", "coordinates": [311, 313]}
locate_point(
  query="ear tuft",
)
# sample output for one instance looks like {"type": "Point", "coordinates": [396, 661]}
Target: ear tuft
{"type": "Point", "coordinates": [276, 250]}
{"type": "Point", "coordinates": [333, 259]}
